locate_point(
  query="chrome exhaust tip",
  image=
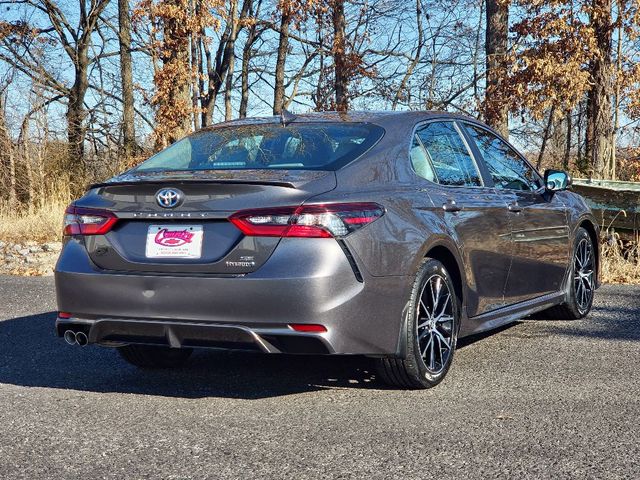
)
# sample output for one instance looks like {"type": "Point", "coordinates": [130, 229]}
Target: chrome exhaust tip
{"type": "Point", "coordinates": [70, 337]}
{"type": "Point", "coordinates": [81, 339]}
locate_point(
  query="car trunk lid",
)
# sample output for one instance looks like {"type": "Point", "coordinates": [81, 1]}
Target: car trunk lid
{"type": "Point", "coordinates": [198, 226]}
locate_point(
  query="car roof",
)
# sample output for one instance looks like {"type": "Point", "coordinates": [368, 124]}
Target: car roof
{"type": "Point", "coordinates": [384, 118]}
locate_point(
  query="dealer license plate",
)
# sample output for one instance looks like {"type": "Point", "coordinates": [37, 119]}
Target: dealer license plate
{"type": "Point", "coordinates": [171, 241]}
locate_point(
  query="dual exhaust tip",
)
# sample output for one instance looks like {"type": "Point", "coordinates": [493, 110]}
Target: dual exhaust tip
{"type": "Point", "coordinates": [76, 338]}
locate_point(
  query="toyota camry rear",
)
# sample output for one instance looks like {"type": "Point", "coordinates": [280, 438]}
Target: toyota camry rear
{"type": "Point", "coordinates": [230, 238]}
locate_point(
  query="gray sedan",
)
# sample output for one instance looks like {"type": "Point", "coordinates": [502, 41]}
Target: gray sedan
{"type": "Point", "coordinates": [387, 234]}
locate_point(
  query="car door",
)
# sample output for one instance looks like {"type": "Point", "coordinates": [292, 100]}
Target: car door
{"type": "Point", "coordinates": [539, 219]}
{"type": "Point", "coordinates": [476, 215]}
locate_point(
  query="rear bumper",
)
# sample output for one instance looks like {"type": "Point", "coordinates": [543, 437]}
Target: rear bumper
{"type": "Point", "coordinates": [305, 281]}
{"type": "Point", "coordinates": [174, 334]}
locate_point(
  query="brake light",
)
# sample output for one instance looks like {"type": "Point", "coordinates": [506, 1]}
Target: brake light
{"type": "Point", "coordinates": [87, 221]}
{"type": "Point", "coordinates": [311, 221]}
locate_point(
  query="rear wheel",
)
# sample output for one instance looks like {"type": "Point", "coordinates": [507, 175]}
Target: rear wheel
{"type": "Point", "coordinates": [583, 278]}
{"type": "Point", "coordinates": [432, 330]}
{"type": "Point", "coordinates": [151, 356]}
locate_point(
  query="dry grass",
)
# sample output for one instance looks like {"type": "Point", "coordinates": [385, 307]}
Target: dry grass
{"type": "Point", "coordinates": [42, 224]}
{"type": "Point", "coordinates": [620, 261]}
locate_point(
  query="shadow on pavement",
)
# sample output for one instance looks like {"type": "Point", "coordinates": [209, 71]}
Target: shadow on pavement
{"type": "Point", "coordinates": [31, 355]}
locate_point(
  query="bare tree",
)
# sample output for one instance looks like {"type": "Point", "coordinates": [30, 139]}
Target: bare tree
{"type": "Point", "coordinates": [129, 145]}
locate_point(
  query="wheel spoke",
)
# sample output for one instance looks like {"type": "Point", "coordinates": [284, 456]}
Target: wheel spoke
{"type": "Point", "coordinates": [440, 351]}
{"type": "Point", "coordinates": [442, 339]}
{"type": "Point", "coordinates": [444, 306]}
{"type": "Point", "coordinates": [424, 352]}
{"type": "Point", "coordinates": [432, 358]}
{"type": "Point", "coordinates": [435, 295]}
{"type": "Point", "coordinates": [423, 324]}
{"type": "Point", "coordinates": [425, 309]}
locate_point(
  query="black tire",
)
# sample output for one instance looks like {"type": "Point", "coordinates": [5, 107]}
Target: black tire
{"type": "Point", "coordinates": [572, 309]}
{"type": "Point", "coordinates": [151, 356]}
{"type": "Point", "coordinates": [413, 372]}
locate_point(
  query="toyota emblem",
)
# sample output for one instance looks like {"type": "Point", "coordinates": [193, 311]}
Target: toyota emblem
{"type": "Point", "coordinates": [169, 197]}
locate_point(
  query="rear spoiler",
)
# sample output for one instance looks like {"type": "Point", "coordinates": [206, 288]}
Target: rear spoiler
{"type": "Point", "coordinates": [191, 181]}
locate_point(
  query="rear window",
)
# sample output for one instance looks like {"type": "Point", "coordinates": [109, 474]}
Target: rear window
{"type": "Point", "coordinates": [322, 146]}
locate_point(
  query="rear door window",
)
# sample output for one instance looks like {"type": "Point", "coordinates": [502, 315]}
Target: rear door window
{"type": "Point", "coordinates": [448, 155]}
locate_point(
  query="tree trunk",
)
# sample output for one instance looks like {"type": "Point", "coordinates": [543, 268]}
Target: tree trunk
{"type": "Point", "coordinates": [75, 122]}
{"type": "Point", "coordinates": [27, 161]}
{"type": "Point", "coordinates": [196, 64]}
{"type": "Point", "coordinates": [567, 146]}
{"type": "Point", "coordinates": [283, 46]}
{"type": "Point", "coordinates": [244, 74]}
{"type": "Point", "coordinates": [7, 155]}
{"type": "Point", "coordinates": [599, 121]}
{"type": "Point", "coordinates": [228, 113]}
{"type": "Point", "coordinates": [340, 57]}
{"type": "Point", "coordinates": [545, 138]}
{"type": "Point", "coordinates": [495, 111]}
{"type": "Point", "coordinates": [174, 108]}
{"type": "Point", "coordinates": [229, 80]}
{"type": "Point", "coordinates": [616, 119]}
{"type": "Point", "coordinates": [128, 115]}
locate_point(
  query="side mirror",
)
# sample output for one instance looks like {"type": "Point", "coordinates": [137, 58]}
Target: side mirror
{"type": "Point", "coordinates": [556, 180]}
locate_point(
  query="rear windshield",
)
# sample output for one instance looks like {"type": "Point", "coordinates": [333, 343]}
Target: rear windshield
{"type": "Point", "coordinates": [308, 146]}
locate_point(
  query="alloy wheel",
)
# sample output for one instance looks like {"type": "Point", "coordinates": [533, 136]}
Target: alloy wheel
{"type": "Point", "coordinates": [583, 276]}
{"type": "Point", "coordinates": [435, 325]}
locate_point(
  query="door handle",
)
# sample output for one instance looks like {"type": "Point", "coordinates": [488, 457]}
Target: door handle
{"type": "Point", "coordinates": [451, 206]}
{"type": "Point", "coordinates": [514, 208]}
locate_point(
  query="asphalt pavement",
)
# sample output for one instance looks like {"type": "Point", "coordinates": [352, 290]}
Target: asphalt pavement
{"type": "Point", "coordinates": [539, 399]}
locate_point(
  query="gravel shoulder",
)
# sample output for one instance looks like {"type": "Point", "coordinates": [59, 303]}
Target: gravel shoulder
{"type": "Point", "coordinates": [539, 399]}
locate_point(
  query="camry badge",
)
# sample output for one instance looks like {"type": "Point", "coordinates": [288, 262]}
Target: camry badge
{"type": "Point", "coordinates": [169, 197]}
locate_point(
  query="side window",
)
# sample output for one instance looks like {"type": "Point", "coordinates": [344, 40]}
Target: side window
{"type": "Point", "coordinates": [420, 161]}
{"type": "Point", "coordinates": [449, 155]}
{"type": "Point", "coordinates": [506, 167]}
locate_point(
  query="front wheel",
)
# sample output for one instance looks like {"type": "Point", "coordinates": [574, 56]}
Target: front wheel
{"type": "Point", "coordinates": [432, 331]}
{"type": "Point", "coordinates": [151, 356]}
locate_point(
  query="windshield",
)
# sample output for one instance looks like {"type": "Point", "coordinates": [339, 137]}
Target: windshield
{"type": "Point", "coordinates": [304, 146]}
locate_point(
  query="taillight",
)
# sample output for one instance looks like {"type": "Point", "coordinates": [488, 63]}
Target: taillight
{"type": "Point", "coordinates": [87, 221]}
{"type": "Point", "coordinates": [314, 221]}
